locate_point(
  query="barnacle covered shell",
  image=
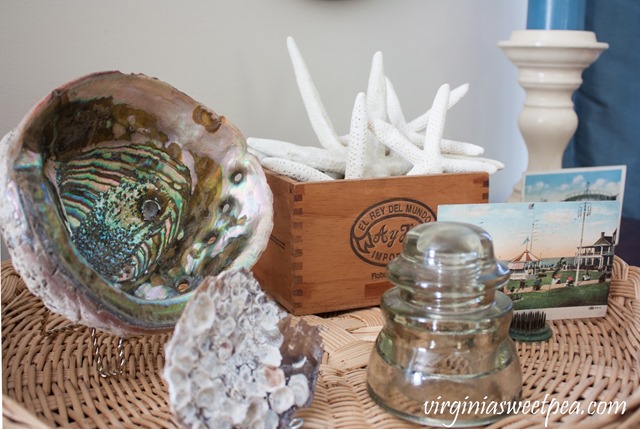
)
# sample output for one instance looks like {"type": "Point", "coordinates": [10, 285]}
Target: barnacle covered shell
{"type": "Point", "coordinates": [269, 366]}
{"type": "Point", "coordinates": [119, 194]}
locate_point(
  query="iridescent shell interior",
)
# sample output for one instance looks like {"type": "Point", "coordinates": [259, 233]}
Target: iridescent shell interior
{"type": "Point", "coordinates": [123, 193]}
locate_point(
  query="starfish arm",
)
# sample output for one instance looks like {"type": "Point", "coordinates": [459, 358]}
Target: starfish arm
{"type": "Point", "coordinates": [377, 89]}
{"type": "Point", "coordinates": [426, 168]}
{"type": "Point", "coordinates": [467, 165]}
{"type": "Point", "coordinates": [497, 164]}
{"type": "Point", "coordinates": [318, 116]}
{"type": "Point", "coordinates": [315, 157]}
{"type": "Point", "coordinates": [388, 135]}
{"type": "Point", "coordinates": [414, 137]}
{"type": "Point", "coordinates": [295, 170]}
{"type": "Point", "coordinates": [447, 146]}
{"type": "Point", "coordinates": [374, 156]}
{"type": "Point", "coordinates": [394, 111]}
{"type": "Point", "coordinates": [377, 150]}
{"type": "Point", "coordinates": [460, 148]}
{"type": "Point", "coordinates": [435, 128]}
{"type": "Point", "coordinates": [357, 149]}
{"type": "Point", "coordinates": [397, 119]}
{"type": "Point", "coordinates": [420, 123]}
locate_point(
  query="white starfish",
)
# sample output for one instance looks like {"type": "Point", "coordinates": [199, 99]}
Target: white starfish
{"type": "Point", "coordinates": [319, 158]}
{"type": "Point", "coordinates": [358, 139]}
{"type": "Point", "coordinates": [295, 170]}
{"type": "Point", "coordinates": [376, 104]}
{"type": "Point", "coordinates": [380, 141]}
{"type": "Point", "coordinates": [376, 89]}
{"type": "Point", "coordinates": [421, 122]}
{"type": "Point", "coordinates": [431, 160]}
{"type": "Point", "coordinates": [318, 117]}
{"type": "Point", "coordinates": [412, 131]}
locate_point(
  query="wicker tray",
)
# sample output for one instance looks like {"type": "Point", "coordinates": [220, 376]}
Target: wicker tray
{"type": "Point", "coordinates": [51, 379]}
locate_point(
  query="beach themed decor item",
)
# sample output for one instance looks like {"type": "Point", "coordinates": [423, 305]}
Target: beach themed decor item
{"type": "Point", "coordinates": [333, 238]}
{"type": "Point", "coordinates": [381, 142]}
{"type": "Point", "coordinates": [551, 55]}
{"type": "Point", "coordinates": [120, 194]}
{"type": "Point", "coordinates": [446, 333]}
{"type": "Point", "coordinates": [236, 359]}
{"type": "Point", "coordinates": [560, 254]}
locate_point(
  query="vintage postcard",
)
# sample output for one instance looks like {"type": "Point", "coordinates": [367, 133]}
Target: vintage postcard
{"type": "Point", "coordinates": [576, 184]}
{"type": "Point", "coordinates": [560, 253]}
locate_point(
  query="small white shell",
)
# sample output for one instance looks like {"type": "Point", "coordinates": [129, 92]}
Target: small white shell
{"type": "Point", "coordinates": [270, 378]}
{"type": "Point", "coordinates": [203, 315]}
{"type": "Point", "coordinates": [281, 399]}
{"type": "Point", "coordinates": [271, 356]}
{"type": "Point", "coordinates": [299, 385]}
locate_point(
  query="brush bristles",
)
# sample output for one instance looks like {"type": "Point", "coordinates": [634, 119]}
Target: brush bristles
{"type": "Point", "coordinates": [530, 326]}
{"type": "Point", "coordinates": [529, 322]}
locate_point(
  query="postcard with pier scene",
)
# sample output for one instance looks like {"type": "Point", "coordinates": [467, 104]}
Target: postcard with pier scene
{"type": "Point", "coordinates": [576, 184]}
{"type": "Point", "coordinates": [560, 253]}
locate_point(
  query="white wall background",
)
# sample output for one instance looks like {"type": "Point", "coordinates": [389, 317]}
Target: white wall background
{"type": "Point", "coordinates": [232, 57]}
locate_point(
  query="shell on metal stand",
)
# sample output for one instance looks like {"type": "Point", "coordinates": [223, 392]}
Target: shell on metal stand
{"type": "Point", "coordinates": [237, 360]}
{"type": "Point", "coordinates": [120, 194]}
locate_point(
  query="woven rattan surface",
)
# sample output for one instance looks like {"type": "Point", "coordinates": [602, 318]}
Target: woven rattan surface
{"type": "Point", "coordinates": [52, 381]}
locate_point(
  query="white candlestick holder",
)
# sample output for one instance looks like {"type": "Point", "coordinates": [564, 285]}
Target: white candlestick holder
{"type": "Point", "coordinates": [550, 64]}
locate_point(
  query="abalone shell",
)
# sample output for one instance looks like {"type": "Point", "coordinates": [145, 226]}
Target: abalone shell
{"type": "Point", "coordinates": [121, 193]}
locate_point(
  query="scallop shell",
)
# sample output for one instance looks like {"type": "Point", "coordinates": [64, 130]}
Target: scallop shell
{"type": "Point", "coordinates": [121, 194]}
{"type": "Point", "coordinates": [237, 357]}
